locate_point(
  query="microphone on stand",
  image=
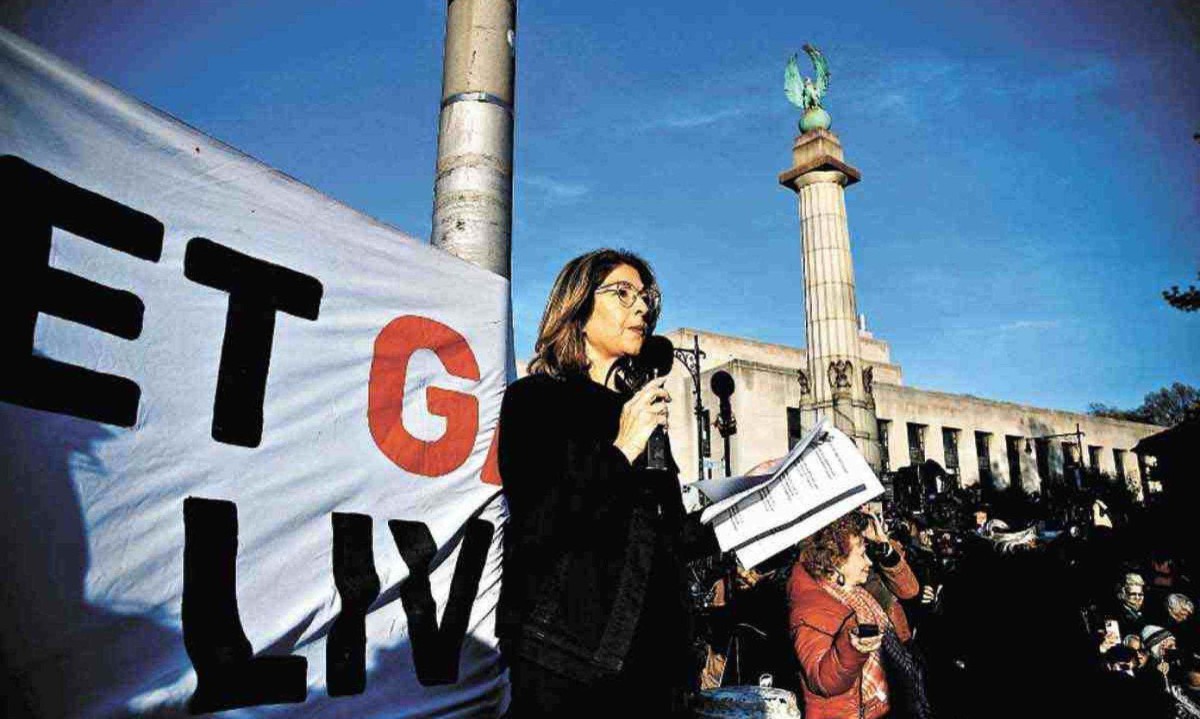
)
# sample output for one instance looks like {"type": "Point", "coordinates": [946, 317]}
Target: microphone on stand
{"type": "Point", "coordinates": [656, 358]}
{"type": "Point", "coordinates": [723, 386]}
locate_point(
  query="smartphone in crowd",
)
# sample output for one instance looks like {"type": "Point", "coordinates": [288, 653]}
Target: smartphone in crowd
{"type": "Point", "coordinates": [1112, 631]}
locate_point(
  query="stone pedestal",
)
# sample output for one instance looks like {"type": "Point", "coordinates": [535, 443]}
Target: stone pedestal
{"type": "Point", "coordinates": [838, 387]}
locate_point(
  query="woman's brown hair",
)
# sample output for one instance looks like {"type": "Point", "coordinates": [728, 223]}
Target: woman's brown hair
{"type": "Point", "coordinates": [560, 349]}
{"type": "Point", "coordinates": [822, 553]}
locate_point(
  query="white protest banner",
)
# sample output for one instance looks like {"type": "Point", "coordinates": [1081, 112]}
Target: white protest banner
{"type": "Point", "coordinates": [246, 431]}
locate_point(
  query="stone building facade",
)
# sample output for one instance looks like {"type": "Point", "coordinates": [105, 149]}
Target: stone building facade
{"type": "Point", "coordinates": [980, 440]}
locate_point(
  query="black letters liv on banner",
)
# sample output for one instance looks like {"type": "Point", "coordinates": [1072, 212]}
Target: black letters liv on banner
{"type": "Point", "coordinates": [230, 676]}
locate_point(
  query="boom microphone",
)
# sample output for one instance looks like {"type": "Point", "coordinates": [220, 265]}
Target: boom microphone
{"type": "Point", "coordinates": [723, 386]}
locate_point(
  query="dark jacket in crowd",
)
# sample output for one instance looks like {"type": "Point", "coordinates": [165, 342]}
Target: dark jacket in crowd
{"type": "Point", "coordinates": [1116, 694]}
{"type": "Point", "coordinates": [1111, 607]}
{"type": "Point", "coordinates": [593, 610]}
{"type": "Point", "coordinates": [891, 580]}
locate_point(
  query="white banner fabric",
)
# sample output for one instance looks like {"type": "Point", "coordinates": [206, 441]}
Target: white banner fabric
{"type": "Point", "coordinates": [203, 359]}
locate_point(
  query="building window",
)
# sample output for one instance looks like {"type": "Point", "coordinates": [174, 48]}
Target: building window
{"type": "Point", "coordinates": [1094, 457]}
{"type": "Point", "coordinates": [1013, 447]}
{"type": "Point", "coordinates": [1042, 447]}
{"type": "Point", "coordinates": [794, 430]}
{"type": "Point", "coordinates": [983, 451]}
{"type": "Point", "coordinates": [885, 460]}
{"type": "Point", "coordinates": [1119, 463]}
{"type": "Point", "coordinates": [950, 444]}
{"type": "Point", "coordinates": [1070, 454]}
{"type": "Point", "coordinates": [916, 443]}
{"type": "Point", "coordinates": [1070, 466]}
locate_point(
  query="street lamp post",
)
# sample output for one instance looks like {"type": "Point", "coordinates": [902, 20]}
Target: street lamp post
{"type": "Point", "coordinates": [691, 361]}
{"type": "Point", "coordinates": [1077, 434]}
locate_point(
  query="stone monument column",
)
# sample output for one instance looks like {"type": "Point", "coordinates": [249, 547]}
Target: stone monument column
{"type": "Point", "coordinates": [839, 383]}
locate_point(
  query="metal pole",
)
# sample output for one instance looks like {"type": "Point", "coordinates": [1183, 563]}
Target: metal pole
{"type": "Point", "coordinates": [1082, 466]}
{"type": "Point", "coordinates": [699, 409]}
{"type": "Point", "coordinates": [691, 361]}
{"type": "Point", "coordinates": [1079, 442]}
{"type": "Point", "coordinates": [472, 202]}
{"type": "Point", "coordinates": [728, 469]}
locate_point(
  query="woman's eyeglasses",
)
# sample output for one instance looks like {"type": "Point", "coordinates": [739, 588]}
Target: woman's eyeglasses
{"type": "Point", "coordinates": [627, 295]}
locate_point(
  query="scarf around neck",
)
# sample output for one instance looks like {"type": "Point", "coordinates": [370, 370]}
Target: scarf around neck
{"type": "Point", "coordinates": [867, 611]}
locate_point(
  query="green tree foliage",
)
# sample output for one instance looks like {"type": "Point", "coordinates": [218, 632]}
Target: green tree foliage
{"type": "Point", "coordinates": [1187, 300]}
{"type": "Point", "coordinates": [1167, 407]}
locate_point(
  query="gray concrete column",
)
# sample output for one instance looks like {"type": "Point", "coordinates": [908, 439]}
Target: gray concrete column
{"type": "Point", "coordinates": [472, 205]}
{"type": "Point", "coordinates": [819, 177]}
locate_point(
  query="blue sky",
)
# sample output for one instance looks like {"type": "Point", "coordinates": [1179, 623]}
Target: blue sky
{"type": "Point", "coordinates": [1030, 181]}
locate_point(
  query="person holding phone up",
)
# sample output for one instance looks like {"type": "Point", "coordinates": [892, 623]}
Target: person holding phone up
{"type": "Point", "coordinates": [900, 583]}
{"type": "Point", "coordinates": [837, 627]}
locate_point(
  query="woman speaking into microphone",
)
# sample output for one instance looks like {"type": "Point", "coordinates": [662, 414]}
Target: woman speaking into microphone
{"type": "Point", "coordinates": [593, 614]}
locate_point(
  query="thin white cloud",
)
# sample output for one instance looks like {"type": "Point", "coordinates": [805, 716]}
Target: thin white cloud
{"type": "Point", "coordinates": [1030, 325]}
{"type": "Point", "coordinates": [554, 188]}
{"type": "Point", "coordinates": [688, 120]}
{"type": "Point", "coordinates": [923, 89]}
{"type": "Point", "coordinates": [1089, 79]}
{"type": "Point", "coordinates": [1014, 326]}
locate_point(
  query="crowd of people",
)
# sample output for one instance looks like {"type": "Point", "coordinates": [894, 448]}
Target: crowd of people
{"type": "Point", "coordinates": [1146, 636]}
{"type": "Point", "coordinates": [988, 605]}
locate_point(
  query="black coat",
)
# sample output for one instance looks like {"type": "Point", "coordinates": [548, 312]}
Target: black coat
{"type": "Point", "coordinates": [594, 547]}
{"type": "Point", "coordinates": [1128, 621]}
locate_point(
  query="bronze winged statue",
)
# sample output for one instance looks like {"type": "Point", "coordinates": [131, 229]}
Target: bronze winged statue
{"type": "Point", "coordinates": [806, 93]}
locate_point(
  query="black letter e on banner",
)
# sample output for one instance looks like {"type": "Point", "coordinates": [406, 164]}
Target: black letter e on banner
{"type": "Point", "coordinates": [35, 203]}
{"type": "Point", "coordinates": [257, 290]}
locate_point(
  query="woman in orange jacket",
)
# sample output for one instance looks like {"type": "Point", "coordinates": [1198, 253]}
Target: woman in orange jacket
{"type": "Point", "coordinates": [837, 627]}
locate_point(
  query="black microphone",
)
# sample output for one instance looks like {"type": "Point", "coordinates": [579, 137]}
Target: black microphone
{"type": "Point", "coordinates": [656, 358]}
{"type": "Point", "coordinates": [723, 386]}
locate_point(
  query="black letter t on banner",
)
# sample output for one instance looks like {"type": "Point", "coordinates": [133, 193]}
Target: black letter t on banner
{"type": "Point", "coordinates": [257, 290]}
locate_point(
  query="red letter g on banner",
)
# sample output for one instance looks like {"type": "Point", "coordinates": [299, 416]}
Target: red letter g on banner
{"type": "Point", "coordinates": [394, 348]}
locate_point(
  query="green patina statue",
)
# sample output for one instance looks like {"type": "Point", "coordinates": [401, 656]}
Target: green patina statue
{"type": "Point", "coordinates": [806, 94]}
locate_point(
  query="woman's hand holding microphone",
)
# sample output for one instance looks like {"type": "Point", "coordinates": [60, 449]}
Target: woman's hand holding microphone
{"type": "Point", "coordinates": [645, 411]}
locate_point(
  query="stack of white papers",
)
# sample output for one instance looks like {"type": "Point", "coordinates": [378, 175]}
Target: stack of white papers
{"type": "Point", "coordinates": [821, 479]}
